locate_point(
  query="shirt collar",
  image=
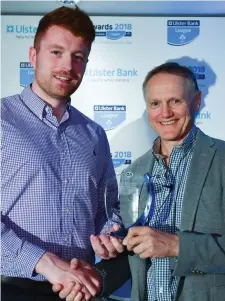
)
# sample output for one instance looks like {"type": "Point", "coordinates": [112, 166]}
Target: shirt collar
{"type": "Point", "coordinates": [36, 104]}
{"type": "Point", "coordinates": [186, 145]}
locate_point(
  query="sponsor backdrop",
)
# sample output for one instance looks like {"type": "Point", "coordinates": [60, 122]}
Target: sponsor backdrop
{"type": "Point", "coordinates": [125, 49]}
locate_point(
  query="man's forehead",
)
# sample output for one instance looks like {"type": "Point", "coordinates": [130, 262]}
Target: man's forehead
{"type": "Point", "coordinates": [56, 36]}
{"type": "Point", "coordinates": [162, 84]}
{"type": "Point", "coordinates": [166, 77]}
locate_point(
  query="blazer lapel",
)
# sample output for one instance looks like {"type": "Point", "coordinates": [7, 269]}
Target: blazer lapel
{"type": "Point", "coordinates": [201, 161]}
{"type": "Point", "coordinates": [144, 193]}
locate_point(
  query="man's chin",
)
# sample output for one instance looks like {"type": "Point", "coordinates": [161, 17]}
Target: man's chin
{"type": "Point", "coordinates": [173, 138]}
{"type": "Point", "coordinates": [169, 137]}
{"type": "Point", "coordinates": [62, 95]}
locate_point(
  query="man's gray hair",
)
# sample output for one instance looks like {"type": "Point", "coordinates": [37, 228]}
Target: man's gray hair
{"type": "Point", "coordinates": [176, 69]}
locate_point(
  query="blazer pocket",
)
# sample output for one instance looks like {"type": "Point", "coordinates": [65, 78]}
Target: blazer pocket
{"type": "Point", "coordinates": [201, 295]}
{"type": "Point", "coordinates": [218, 293]}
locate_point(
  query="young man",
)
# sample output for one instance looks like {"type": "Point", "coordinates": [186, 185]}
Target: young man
{"type": "Point", "coordinates": [54, 160]}
{"type": "Point", "coordinates": [180, 253]}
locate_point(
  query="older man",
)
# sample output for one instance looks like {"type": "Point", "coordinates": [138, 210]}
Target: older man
{"type": "Point", "coordinates": [179, 253]}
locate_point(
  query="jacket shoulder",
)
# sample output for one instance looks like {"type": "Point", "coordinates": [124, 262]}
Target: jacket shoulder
{"type": "Point", "coordinates": [140, 162]}
{"type": "Point", "coordinates": [220, 144]}
{"type": "Point", "coordinates": [214, 142]}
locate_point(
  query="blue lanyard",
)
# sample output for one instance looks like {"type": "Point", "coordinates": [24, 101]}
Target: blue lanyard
{"type": "Point", "coordinates": [165, 209]}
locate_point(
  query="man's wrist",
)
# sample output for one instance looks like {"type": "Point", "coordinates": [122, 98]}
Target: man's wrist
{"type": "Point", "coordinates": [102, 275]}
{"type": "Point", "coordinates": [175, 248]}
{"type": "Point", "coordinates": [44, 263]}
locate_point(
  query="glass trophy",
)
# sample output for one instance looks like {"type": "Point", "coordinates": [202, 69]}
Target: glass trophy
{"type": "Point", "coordinates": [130, 189]}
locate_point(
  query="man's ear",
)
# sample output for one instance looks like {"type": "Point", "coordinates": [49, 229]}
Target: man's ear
{"type": "Point", "coordinates": [198, 97]}
{"type": "Point", "coordinates": [32, 56]}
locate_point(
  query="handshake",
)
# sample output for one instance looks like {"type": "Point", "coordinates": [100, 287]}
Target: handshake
{"type": "Point", "coordinates": [83, 282]}
{"type": "Point", "coordinates": [77, 280]}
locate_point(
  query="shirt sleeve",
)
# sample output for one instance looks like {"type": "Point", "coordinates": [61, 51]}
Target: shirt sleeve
{"type": "Point", "coordinates": [18, 255]}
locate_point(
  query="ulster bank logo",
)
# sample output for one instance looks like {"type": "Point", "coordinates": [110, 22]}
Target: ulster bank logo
{"type": "Point", "coordinates": [21, 30]}
{"type": "Point", "coordinates": [181, 32]}
{"type": "Point", "coordinates": [10, 28]}
{"type": "Point", "coordinates": [109, 116]}
{"type": "Point", "coordinates": [26, 74]}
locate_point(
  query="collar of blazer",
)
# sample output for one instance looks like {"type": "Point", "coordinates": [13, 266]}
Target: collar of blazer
{"type": "Point", "coordinates": [201, 161]}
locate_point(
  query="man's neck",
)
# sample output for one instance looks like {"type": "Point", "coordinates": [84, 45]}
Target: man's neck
{"type": "Point", "coordinates": [167, 147]}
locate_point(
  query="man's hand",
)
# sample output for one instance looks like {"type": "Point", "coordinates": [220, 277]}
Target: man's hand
{"type": "Point", "coordinates": [106, 246]}
{"type": "Point", "coordinates": [58, 271]}
{"type": "Point", "coordinates": [76, 292]}
{"type": "Point", "coordinates": [73, 292]}
{"type": "Point", "coordinates": [151, 243]}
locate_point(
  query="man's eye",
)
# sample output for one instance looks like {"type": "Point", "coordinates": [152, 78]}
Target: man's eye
{"type": "Point", "coordinates": [56, 52]}
{"type": "Point", "coordinates": [176, 101]}
{"type": "Point", "coordinates": [154, 104]}
{"type": "Point", "coordinates": [79, 58]}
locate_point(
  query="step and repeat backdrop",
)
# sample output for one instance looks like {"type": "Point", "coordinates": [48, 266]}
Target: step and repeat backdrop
{"type": "Point", "coordinates": [125, 49]}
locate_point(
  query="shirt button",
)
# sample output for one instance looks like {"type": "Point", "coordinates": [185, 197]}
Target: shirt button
{"type": "Point", "coordinates": [68, 210]}
{"type": "Point", "coordinates": [67, 181]}
{"type": "Point", "coordinates": [67, 238]}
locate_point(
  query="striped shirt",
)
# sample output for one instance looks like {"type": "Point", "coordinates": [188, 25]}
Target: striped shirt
{"type": "Point", "coordinates": [52, 174]}
{"type": "Point", "coordinates": [169, 182]}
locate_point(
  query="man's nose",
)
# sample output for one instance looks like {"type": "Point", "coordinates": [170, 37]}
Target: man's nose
{"type": "Point", "coordinates": [166, 110]}
{"type": "Point", "coordinates": [67, 62]}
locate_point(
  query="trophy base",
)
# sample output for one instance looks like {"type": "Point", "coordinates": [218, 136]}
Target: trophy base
{"type": "Point", "coordinates": [121, 233]}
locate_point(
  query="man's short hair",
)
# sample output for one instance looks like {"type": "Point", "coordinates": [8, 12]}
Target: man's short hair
{"type": "Point", "coordinates": [176, 69]}
{"type": "Point", "coordinates": [72, 19]}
